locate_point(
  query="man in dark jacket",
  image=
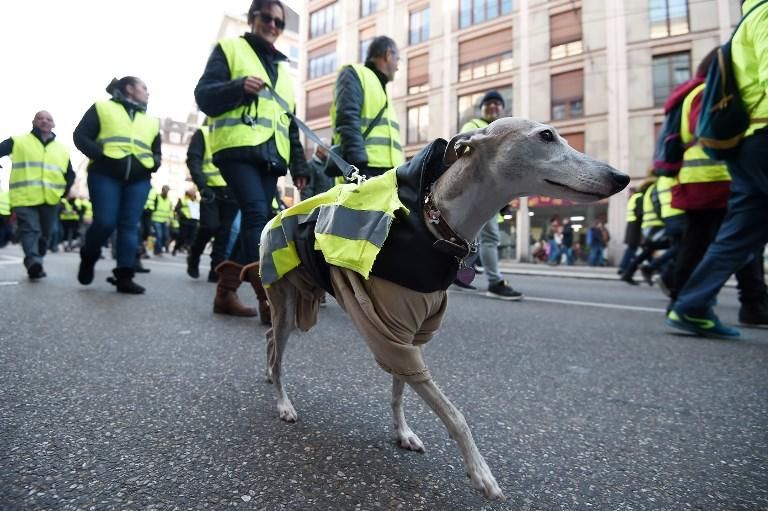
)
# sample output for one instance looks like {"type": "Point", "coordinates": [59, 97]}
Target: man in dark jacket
{"type": "Point", "coordinates": [317, 181]}
{"type": "Point", "coordinates": [374, 148]}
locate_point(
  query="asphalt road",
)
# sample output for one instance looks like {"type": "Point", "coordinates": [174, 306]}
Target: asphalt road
{"type": "Point", "coordinates": [578, 397]}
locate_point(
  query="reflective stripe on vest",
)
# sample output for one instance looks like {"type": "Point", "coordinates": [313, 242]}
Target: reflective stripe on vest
{"type": "Point", "coordinates": [162, 213]}
{"type": "Point", "coordinates": [5, 204]}
{"type": "Point", "coordinates": [228, 130]}
{"type": "Point", "coordinates": [210, 171]}
{"type": "Point", "coordinates": [383, 145]}
{"type": "Point", "coordinates": [38, 171]}
{"type": "Point", "coordinates": [150, 204]}
{"type": "Point", "coordinates": [650, 218]}
{"type": "Point", "coordinates": [352, 223]}
{"type": "Point", "coordinates": [122, 136]}
{"type": "Point", "coordinates": [697, 166]}
{"type": "Point", "coordinates": [664, 189]}
{"type": "Point", "coordinates": [68, 211]}
{"type": "Point", "coordinates": [632, 205]}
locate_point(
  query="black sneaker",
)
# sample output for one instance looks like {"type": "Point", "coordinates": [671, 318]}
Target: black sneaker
{"type": "Point", "coordinates": [754, 314]}
{"type": "Point", "coordinates": [35, 271]}
{"type": "Point", "coordinates": [193, 266]}
{"type": "Point", "coordinates": [503, 291]}
{"type": "Point", "coordinates": [647, 272]}
{"type": "Point", "coordinates": [461, 285]}
{"type": "Point", "coordinates": [626, 277]}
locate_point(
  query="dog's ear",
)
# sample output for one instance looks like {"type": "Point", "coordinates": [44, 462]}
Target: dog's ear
{"type": "Point", "coordinates": [463, 144]}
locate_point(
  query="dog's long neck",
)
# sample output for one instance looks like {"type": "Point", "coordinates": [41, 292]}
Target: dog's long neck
{"type": "Point", "coordinates": [467, 197]}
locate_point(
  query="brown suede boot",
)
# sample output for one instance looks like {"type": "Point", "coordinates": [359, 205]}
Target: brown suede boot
{"type": "Point", "coordinates": [226, 301]}
{"type": "Point", "coordinates": [250, 273]}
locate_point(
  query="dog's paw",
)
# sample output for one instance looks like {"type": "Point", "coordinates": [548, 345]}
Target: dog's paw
{"type": "Point", "coordinates": [482, 479]}
{"type": "Point", "coordinates": [286, 411]}
{"type": "Point", "coordinates": [408, 440]}
{"type": "Point", "coordinates": [268, 375]}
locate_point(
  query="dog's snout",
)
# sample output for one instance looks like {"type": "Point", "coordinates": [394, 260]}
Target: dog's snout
{"type": "Point", "coordinates": [620, 179]}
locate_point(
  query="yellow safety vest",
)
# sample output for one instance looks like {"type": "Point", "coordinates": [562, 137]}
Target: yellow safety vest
{"type": "Point", "coordinates": [631, 205]}
{"type": "Point", "coordinates": [353, 221]}
{"type": "Point", "coordinates": [697, 166]}
{"type": "Point", "coordinates": [38, 171]}
{"type": "Point", "coordinates": [5, 204]}
{"type": "Point", "coordinates": [650, 218]}
{"type": "Point", "coordinates": [163, 210]}
{"type": "Point", "coordinates": [749, 66]}
{"type": "Point", "coordinates": [474, 124]}
{"type": "Point", "coordinates": [664, 189]}
{"type": "Point", "coordinates": [382, 146]}
{"type": "Point", "coordinates": [87, 208]}
{"type": "Point", "coordinates": [184, 209]}
{"type": "Point", "coordinates": [212, 175]}
{"type": "Point", "coordinates": [150, 204]}
{"type": "Point", "coordinates": [68, 211]}
{"type": "Point", "coordinates": [122, 136]}
{"type": "Point", "coordinates": [229, 129]}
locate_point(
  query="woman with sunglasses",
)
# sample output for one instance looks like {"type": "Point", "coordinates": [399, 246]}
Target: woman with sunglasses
{"type": "Point", "coordinates": [253, 140]}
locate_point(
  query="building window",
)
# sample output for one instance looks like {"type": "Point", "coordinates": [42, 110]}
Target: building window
{"type": "Point", "coordinates": [322, 61]}
{"type": "Point", "coordinates": [419, 26]}
{"type": "Point", "coordinates": [565, 34]}
{"type": "Point", "coordinates": [418, 73]}
{"type": "Point", "coordinates": [469, 105]}
{"type": "Point", "coordinates": [418, 124]}
{"type": "Point", "coordinates": [668, 18]}
{"type": "Point", "coordinates": [669, 71]}
{"type": "Point", "coordinates": [485, 56]}
{"type": "Point", "coordinates": [319, 102]}
{"type": "Point", "coordinates": [364, 44]}
{"type": "Point", "coordinates": [367, 7]}
{"type": "Point", "coordinates": [365, 37]}
{"type": "Point", "coordinates": [472, 12]}
{"type": "Point", "coordinates": [323, 21]}
{"type": "Point", "coordinates": [568, 95]}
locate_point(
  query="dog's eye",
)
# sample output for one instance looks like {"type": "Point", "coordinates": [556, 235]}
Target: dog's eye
{"type": "Point", "coordinates": [547, 136]}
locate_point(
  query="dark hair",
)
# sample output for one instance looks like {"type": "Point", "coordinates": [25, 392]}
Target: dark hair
{"type": "Point", "coordinates": [122, 83]}
{"type": "Point", "coordinates": [379, 47]}
{"type": "Point", "coordinates": [258, 5]}
{"type": "Point", "coordinates": [701, 71]}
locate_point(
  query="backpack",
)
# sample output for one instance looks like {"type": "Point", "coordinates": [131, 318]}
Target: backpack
{"type": "Point", "coordinates": [668, 155]}
{"type": "Point", "coordinates": [723, 119]}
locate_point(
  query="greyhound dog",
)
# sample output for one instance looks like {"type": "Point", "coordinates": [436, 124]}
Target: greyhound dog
{"type": "Point", "coordinates": [486, 169]}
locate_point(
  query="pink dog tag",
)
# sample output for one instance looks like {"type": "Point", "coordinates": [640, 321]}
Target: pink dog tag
{"type": "Point", "coordinates": [465, 275]}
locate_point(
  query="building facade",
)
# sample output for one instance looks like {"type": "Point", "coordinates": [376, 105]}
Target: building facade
{"type": "Point", "coordinates": [599, 71]}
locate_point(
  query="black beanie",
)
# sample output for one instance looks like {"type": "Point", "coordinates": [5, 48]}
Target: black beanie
{"type": "Point", "coordinates": [491, 95]}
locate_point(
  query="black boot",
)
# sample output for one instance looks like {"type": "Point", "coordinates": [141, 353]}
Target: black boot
{"type": "Point", "coordinates": [138, 267]}
{"type": "Point", "coordinates": [193, 266]}
{"type": "Point", "coordinates": [123, 280]}
{"type": "Point", "coordinates": [85, 272]}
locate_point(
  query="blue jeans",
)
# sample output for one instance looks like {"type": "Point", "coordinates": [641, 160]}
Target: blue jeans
{"type": "Point", "coordinates": [629, 254]}
{"type": "Point", "coordinates": [162, 235]}
{"type": "Point", "coordinates": [595, 257]}
{"type": "Point", "coordinates": [489, 250]}
{"type": "Point", "coordinates": [116, 205]}
{"type": "Point", "coordinates": [742, 234]}
{"type": "Point", "coordinates": [254, 190]}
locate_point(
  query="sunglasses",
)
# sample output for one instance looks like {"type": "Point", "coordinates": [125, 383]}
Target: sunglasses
{"type": "Point", "coordinates": [268, 18]}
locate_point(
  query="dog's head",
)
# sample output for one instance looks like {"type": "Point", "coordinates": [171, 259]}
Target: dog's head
{"type": "Point", "coordinates": [524, 157]}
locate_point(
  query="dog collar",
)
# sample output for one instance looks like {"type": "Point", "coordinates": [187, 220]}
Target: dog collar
{"type": "Point", "coordinates": [449, 242]}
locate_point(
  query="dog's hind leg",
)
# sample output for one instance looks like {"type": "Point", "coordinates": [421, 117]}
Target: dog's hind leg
{"type": "Point", "coordinates": [282, 297]}
{"type": "Point", "coordinates": [405, 437]}
{"type": "Point", "coordinates": [474, 464]}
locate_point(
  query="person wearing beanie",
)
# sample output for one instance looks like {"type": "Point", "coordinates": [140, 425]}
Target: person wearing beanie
{"type": "Point", "coordinates": [491, 108]}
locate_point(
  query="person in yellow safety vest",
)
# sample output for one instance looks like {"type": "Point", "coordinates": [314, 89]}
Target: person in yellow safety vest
{"type": "Point", "coordinates": [85, 209]}
{"type": "Point", "coordinates": [162, 213]}
{"type": "Point", "coordinates": [363, 118]}
{"type": "Point", "coordinates": [491, 108]}
{"type": "Point", "coordinates": [6, 232]}
{"type": "Point", "coordinates": [218, 208]}
{"type": "Point", "coordinates": [70, 222]}
{"type": "Point", "coordinates": [702, 190]}
{"type": "Point", "coordinates": [188, 215]}
{"type": "Point", "coordinates": [652, 229]}
{"type": "Point", "coordinates": [632, 233]}
{"type": "Point", "coordinates": [253, 140]}
{"type": "Point", "coordinates": [123, 145]}
{"type": "Point", "coordinates": [41, 174]}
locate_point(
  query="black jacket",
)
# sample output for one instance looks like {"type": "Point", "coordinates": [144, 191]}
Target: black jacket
{"type": "Point", "coordinates": [195, 156]}
{"type": "Point", "coordinates": [217, 93]}
{"type": "Point", "coordinates": [128, 168]}
{"type": "Point", "coordinates": [6, 147]}
{"type": "Point", "coordinates": [349, 104]}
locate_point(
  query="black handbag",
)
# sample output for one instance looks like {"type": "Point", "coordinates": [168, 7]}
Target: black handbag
{"type": "Point", "coordinates": [333, 170]}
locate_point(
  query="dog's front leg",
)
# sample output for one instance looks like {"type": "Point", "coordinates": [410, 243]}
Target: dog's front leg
{"type": "Point", "coordinates": [474, 463]}
{"type": "Point", "coordinates": [405, 437]}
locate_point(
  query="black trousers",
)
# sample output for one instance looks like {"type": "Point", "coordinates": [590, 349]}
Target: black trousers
{"type": "Point", "coordinates": [216, 218]}
{"type": "Point", "coordinates": [187, 231]}
{"type": "Point", "coordinates": [700, 232]}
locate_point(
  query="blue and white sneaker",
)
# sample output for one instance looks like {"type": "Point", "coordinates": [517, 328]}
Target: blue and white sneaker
{"type": "Point", "coordinates": [708, 326]}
